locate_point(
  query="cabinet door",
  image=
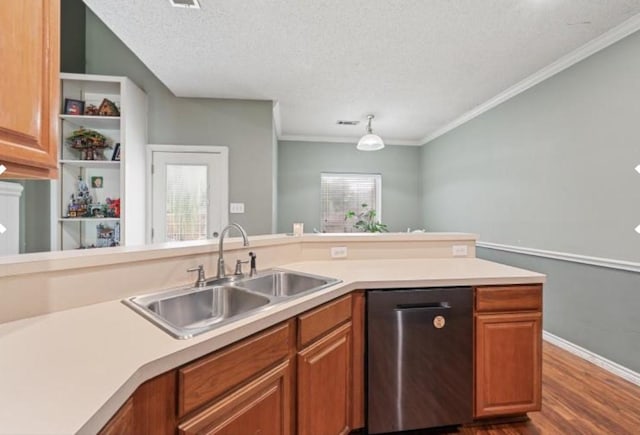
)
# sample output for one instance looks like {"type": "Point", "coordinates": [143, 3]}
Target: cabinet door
{"type": "Point", "coordinates": [324, 385]}
{"type": "Point", "coordinates": [151, 409]}
{"type": "Point", "coordinates": [29, 88]}
{"type": "Point", "coordinates": [261, 407]}
{"type": "Point", "coordinates": [122, 422]}
{"type": "Point", "coordinates": [508, 363]}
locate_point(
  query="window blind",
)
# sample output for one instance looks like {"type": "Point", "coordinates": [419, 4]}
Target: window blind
{"type": "Point", "coordinates": [186, 191]}
{"type": "Point", "coordinates": [343, 192]}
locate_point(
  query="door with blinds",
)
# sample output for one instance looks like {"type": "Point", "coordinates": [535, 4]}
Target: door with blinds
{"type": "Point", "coordinates": [189, 193]}
{"type": "Point", "coordinates": [342, 192]}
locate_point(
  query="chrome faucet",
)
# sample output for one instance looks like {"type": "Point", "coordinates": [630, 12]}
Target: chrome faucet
{"type": "Point", "coordinates": [225, 230]}
{"type": "Point", "coordinates": [201, 281]}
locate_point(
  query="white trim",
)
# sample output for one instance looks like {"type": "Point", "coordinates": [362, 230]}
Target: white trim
{"type": "Point", "coordinates": [601, 42]}
{"type": "Point", "coordinates": [277, 119]}
{"type": "Point", "coordinates": [223, 151]}
{"type": "Point", "coordinates": [347, 140]}
{"type": "Point", "coordinates": [565, 256]}
{"type": "Point", "coordinates": [9, 188]}
{"type": "Point", "coordinates": [92, 78]}
{"type": "Point", "coordinates": [602, 362]}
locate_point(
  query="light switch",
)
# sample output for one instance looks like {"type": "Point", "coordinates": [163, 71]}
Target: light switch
{"type": "Point", "coordinates": [236, 207]}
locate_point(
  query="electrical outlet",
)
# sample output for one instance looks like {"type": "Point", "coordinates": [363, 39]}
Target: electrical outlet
{"type": "Point", "coordinates": [236, 207]}
{"type": "Point", "coordinates": [459, 250]}
{"type": "Point", "coordinates": [339, 252]}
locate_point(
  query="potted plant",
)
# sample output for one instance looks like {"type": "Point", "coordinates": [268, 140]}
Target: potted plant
{"type": "Point", "coordinates": [365, 220]}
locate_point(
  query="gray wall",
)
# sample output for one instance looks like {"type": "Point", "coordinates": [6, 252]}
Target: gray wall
{"type": "Point", "coordinates": [246, 127]}
{"type": "Point", "coordinates": [553, 168]}
{"type": "Point", "coordinates": [72, 36]}
{"type": "Point", "coordinates": [593, 307]}
{"type": "Point", "coordinates": [300, 165]}
{"type": "Point", "coordinates": [35, 216]}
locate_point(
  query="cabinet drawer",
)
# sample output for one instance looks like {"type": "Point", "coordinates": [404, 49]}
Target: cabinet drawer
{"type": "Point", "coordinates": [213, 375]}
{"type": "Point", "coordinates": [263, 406]}
{"type": "Point", "coordinates": [509, 298]}
{"type": "Point", "coordinates": [317, 322]}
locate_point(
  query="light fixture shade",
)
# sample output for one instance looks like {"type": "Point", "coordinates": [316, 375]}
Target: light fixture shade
{"type": "Point", "coordinates": [370, 142]}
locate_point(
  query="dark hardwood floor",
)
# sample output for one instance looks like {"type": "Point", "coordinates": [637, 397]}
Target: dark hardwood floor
{"type": "Point", "coordinates": [577, 398]}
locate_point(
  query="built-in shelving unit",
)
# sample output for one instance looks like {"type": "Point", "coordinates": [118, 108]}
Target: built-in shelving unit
{"type": "Point", "coordinates": [107, 178]}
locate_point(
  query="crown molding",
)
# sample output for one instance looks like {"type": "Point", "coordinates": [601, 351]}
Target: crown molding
{"type": "Point", "coordinates": [346, 140]}
{"type": "Point", "coordinates": [612, 36]}
{"type": "Point", "coordinates": [277, 119]}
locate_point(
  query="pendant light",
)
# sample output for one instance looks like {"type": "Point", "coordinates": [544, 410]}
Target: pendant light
{"type": "Point", "coordinates": [370, 141]}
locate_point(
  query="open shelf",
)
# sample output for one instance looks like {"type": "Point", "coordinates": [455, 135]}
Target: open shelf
{"type": "Point", "coordinates": [91, 163]}
{"type": "Point", "coordinates": [93, 122]}
{"type": "Point", "coordinates": [122, 180]}
{"type": "Point", "coordinates": [88, 219]}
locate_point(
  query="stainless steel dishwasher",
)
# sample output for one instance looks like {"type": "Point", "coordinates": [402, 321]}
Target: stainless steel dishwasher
{"type": "Point", "coordinates": [419, 358]}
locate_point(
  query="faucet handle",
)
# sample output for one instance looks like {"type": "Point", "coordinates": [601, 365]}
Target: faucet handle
{"type": "Point", "coordinates": [239, 264]}
{"type": "Point", "coordinates": [200, 282]}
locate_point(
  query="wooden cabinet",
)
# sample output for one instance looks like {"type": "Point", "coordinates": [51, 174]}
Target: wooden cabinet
{"type": "Point", "coordinates": [212, 376]}
{"type": "Point", "coordinates": [508, 340]}
{"type": "Point", "coordinates": [357, 361]}
{"type": "Point", "coordinates": [327, 380]}
{"type": "Point", "coordinates": [29, 89]}
{"type": "Point", "coordinates": [263, 406]}
{"type": "Point", "coordinates": [151, 409]}
{"type": "Point", "coordinates": [324, 385]}
{"type": "Point", "coordinates": [121, 423]}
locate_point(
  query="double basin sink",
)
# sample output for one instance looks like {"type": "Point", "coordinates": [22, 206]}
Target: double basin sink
{"type": "Point", "coordinates": [186, 312]}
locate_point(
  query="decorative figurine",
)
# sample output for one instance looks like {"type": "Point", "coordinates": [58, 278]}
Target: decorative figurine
{"type": "Point", "coordinates": [108, 108]}
{"type": "Point", "coordinates": [90, 143]}
{"type": "Point", "coordinates": [80, 201]}
{"type": "Point", "coordinates": [91, 110]}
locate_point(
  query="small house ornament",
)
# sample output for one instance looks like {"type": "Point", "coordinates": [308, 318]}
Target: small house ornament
{"type": "Point", "coordinates": [108, 108]}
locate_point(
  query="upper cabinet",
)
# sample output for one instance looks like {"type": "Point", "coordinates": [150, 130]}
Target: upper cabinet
{"type": "Point", "coordinates": [29, 89]}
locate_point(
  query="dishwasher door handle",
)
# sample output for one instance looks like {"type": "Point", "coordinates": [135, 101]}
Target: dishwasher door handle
{"type": "Point", "coordinates": [428, 306]}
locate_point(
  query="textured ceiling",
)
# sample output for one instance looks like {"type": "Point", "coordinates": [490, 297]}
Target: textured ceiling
{"type": "Point", "coordinates": [417, 65]}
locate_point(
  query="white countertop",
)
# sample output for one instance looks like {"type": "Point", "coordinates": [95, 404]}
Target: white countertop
{"type": "Point", "coordinates": [69, 371]}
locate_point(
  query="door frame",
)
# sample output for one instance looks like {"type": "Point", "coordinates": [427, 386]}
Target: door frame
{"type": "Point", "coordinates": [170, 148]}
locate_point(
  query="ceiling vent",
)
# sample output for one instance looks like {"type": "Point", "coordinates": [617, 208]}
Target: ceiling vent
{"type": "Point", "coordinates": [191, 4]}
{"type": "Point", "coordinates": [340, 122]}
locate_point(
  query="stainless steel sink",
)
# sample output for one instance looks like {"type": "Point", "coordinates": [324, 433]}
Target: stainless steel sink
{"type": "Point", "coordinates": [188, 312]}
{"type": "Point", "coordinates": [280, 283]}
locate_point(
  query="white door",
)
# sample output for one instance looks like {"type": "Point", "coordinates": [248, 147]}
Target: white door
{"type": "Point", "coordinates": [189, 193]}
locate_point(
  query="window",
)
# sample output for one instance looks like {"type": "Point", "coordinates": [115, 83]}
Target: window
{"type": "Point", "coordinates": [189, 192]}
{"type": "Point", "coordinates": [187, 204]}
{"type": "Point", "coordinates": [343, 192]}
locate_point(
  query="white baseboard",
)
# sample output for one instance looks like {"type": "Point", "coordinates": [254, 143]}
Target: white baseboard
{"type": "Point", "coordinates": [600, 361]}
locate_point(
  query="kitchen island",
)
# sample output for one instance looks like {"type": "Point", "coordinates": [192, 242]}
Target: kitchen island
{"type": "Point", "coordinates": [70, 371]}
